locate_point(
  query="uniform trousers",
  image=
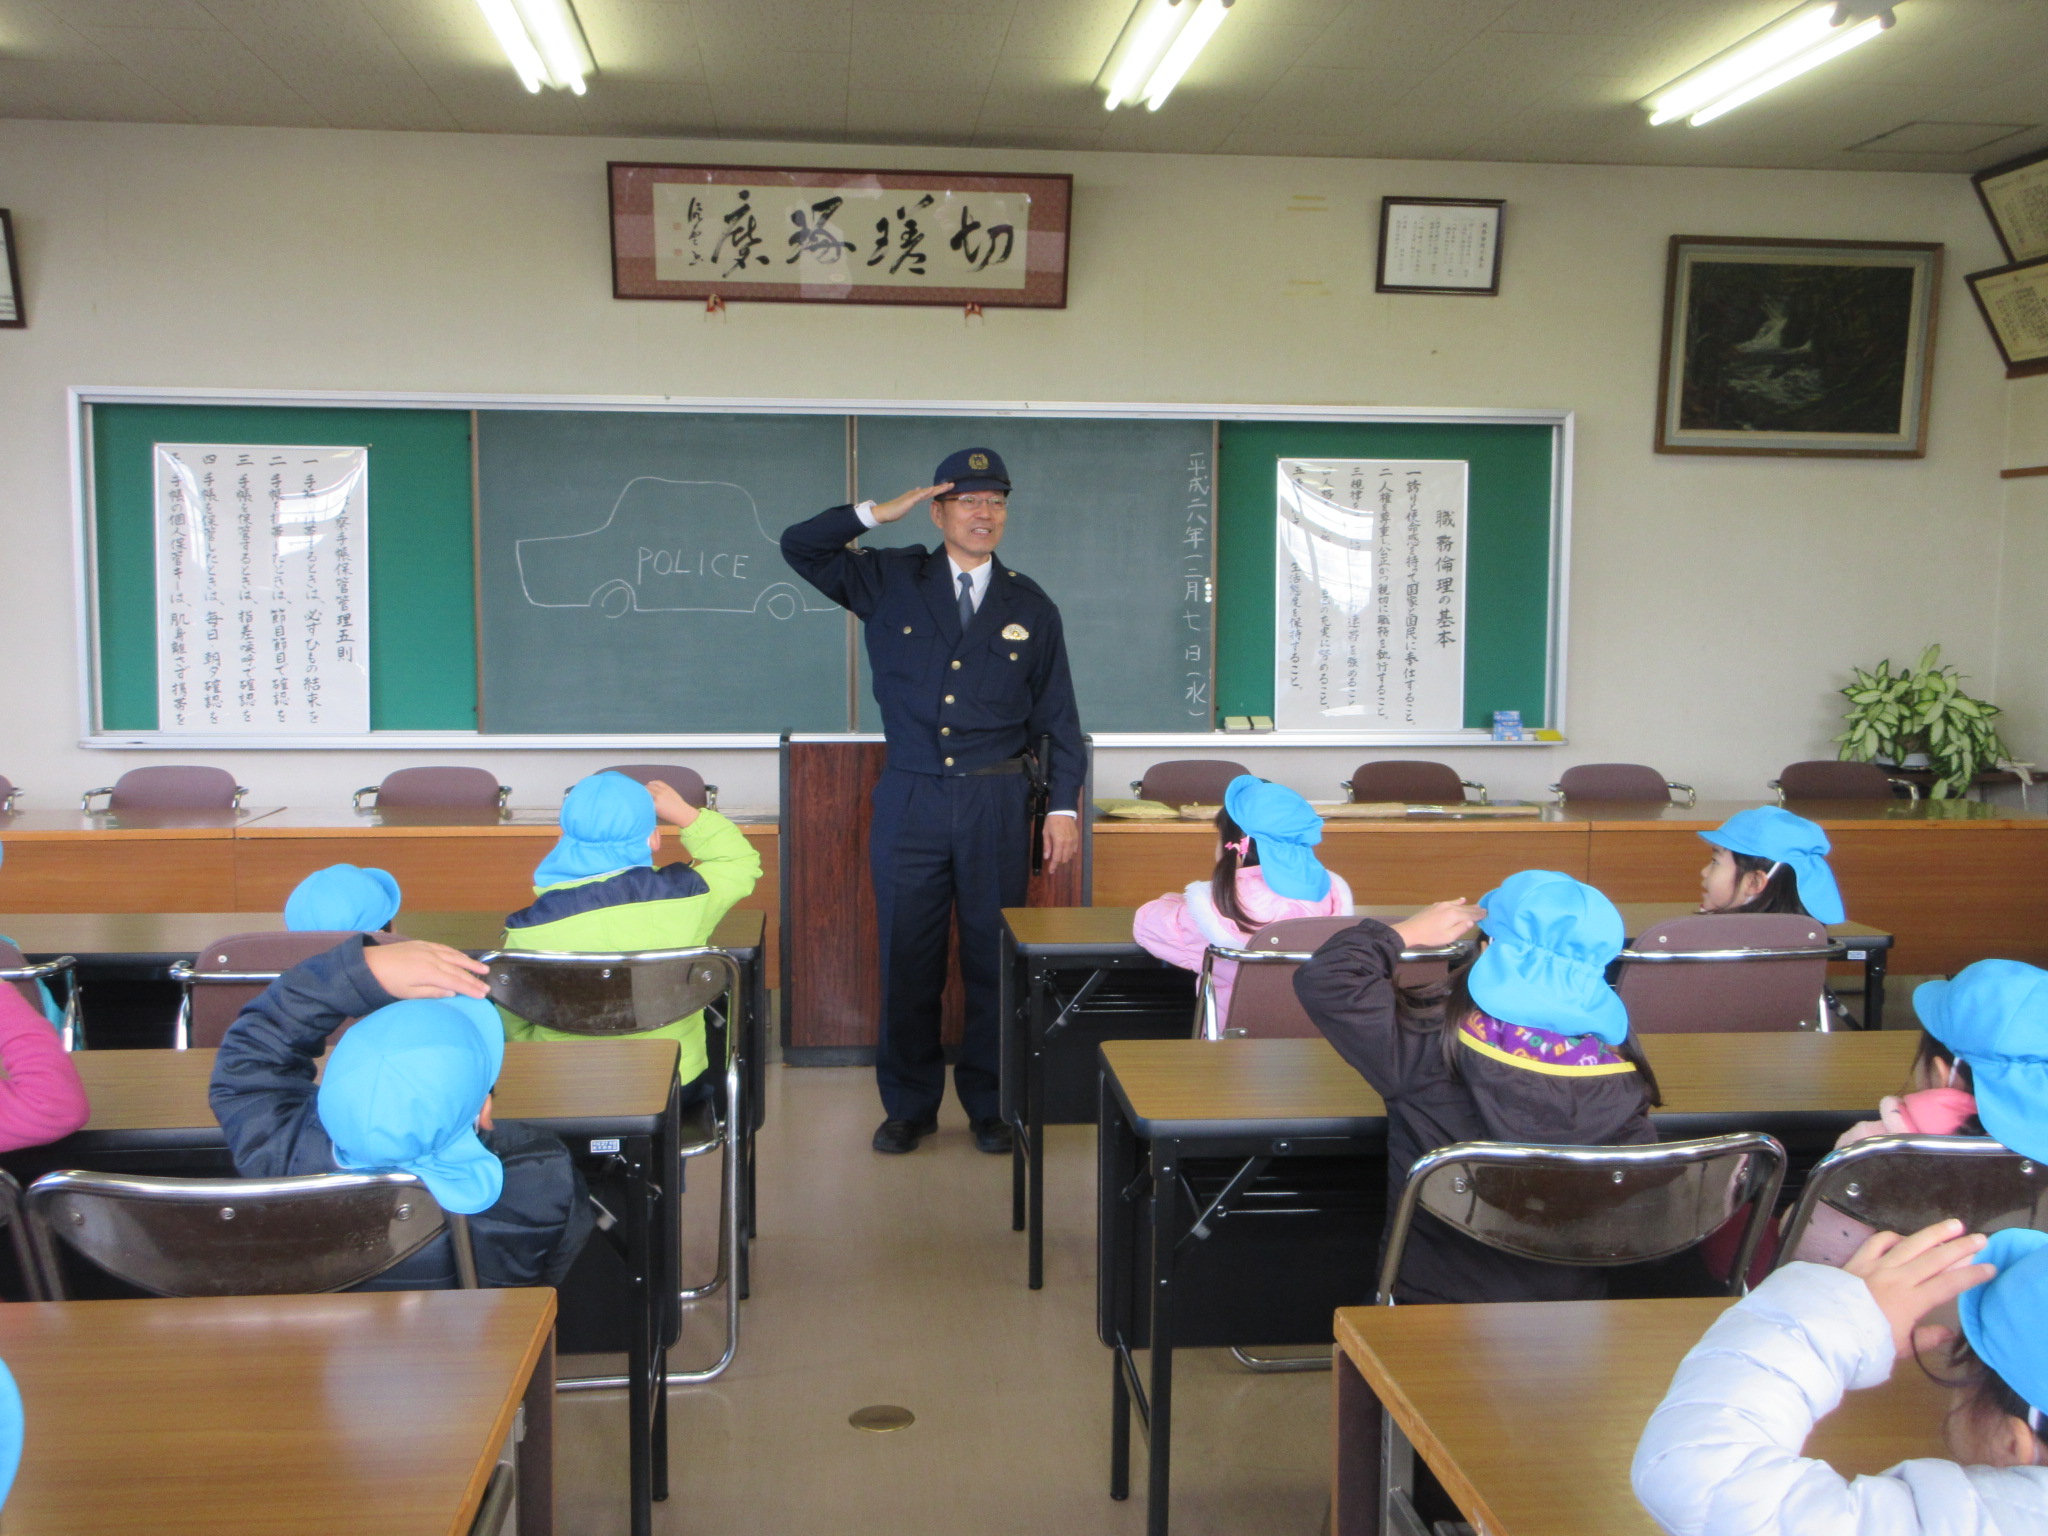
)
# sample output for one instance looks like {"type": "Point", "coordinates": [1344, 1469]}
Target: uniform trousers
{"type": "Point", "coordinates": [943, 850]}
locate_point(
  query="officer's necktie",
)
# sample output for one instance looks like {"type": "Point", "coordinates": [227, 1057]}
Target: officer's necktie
{"type": "Point", "coordinates": [966, 601]}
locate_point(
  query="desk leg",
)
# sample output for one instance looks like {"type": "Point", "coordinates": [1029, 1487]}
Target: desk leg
{"type": "Point", "coordinates": [1159, 1421]}
{"type": "Point", "coordinates": [1875, 962]}
{"type": "Point", "coordinates": [641, 1225]}
{"type": "Point", "coordinates": [1034, 1135]}
{"type": "Point", "coordinates": [537, 1449]}
{"type": "Point", "coordinates": [1355, 1476]}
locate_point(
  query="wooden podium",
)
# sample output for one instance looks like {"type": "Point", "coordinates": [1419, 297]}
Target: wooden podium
{"type": "Point", "coordinates": [831, 972]}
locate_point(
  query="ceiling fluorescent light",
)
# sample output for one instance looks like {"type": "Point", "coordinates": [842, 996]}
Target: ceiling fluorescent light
{"type": "Point", "coordinates": [1787, 48]}
{"type": "Point", "coordinates": [1145, 40]}
{"type": "Point", "coordinates": [1193, 38]}
{"type": "Point", "coordinates": [544, 41]}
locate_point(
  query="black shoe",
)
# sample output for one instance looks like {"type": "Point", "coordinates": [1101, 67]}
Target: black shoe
{"type": "Point", "coordinates": [902, 1135]}
{"type": "Point", "coordinates": [991, 1135]}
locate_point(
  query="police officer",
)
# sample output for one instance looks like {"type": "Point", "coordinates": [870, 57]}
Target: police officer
{"type": "Point", "coordinates": [970, 667]}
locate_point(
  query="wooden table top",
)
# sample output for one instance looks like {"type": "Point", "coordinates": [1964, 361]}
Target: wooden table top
{"type": "Point", "coordinates": [318, 1415]}
{"type": "Point", "coordinates": [1049, 930]}
{"type": "Point", "coordinates": [574, 1082]}
{"type": "Point", "coordinates": [182, 934]}
{"type": "Point", "coordinates": [1476, 1390]}
{"type": "Point", "coordinates": [443, 821]}
{"type": "Point", "coordinates": [1304, 1088]}
{"type": "Point", "coordinates": [1708, 814]}
{"type": "Point", "coordinates": [62, 825]}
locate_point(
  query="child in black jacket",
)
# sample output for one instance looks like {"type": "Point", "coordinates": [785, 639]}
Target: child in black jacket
{"type": "Point", "coordinates": [1527, 1044]}
{"type": "Point", "coordinates": [406, 1088]}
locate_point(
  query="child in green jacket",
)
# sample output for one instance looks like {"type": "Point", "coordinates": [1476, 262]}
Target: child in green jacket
{"type": "Point", "coordinates": [599, 892]}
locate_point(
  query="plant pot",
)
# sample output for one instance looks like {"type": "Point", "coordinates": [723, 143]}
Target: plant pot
{"type": "Point", "coordinates": [1917, 760]}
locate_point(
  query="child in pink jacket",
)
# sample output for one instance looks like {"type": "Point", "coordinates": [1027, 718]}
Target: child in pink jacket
{"type": "Point", "coordinates": [41, 1098]}
{"type": "Point", "coordinates": [1265, 871]}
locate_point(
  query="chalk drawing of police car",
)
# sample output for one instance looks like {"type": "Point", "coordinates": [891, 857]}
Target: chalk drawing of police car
{"type": "Point", "coordinates": [667, 546]}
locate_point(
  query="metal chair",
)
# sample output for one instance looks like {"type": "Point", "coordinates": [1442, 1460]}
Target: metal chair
{"type": "Point", "coordinates": [1187, 781]}
{"type": "Point", "coordinates": [27, 1254]}
{"type": "Point", "coordinates": [1825, 779]}
{"type": "Point", "coordinates": [1904, 1183]}
{"type": "Point", "coordinates": [170, 789]}
{"type": "Point", "coordinates": [241, 1237]}
{"type": "Point", "coordinates": [1619, 781]}
{"type": "Point", "coordinates": [16, 969]}
{"type": "Point", "coordinates": [8, 794]}
{"type": "Point", "coordinates": [229, 974]}
{"type": "Point", "coordinates": [1411, 781]}
{"type": "Point", "coordinates": [1597, 1206]}
{"type": "Point", "coordinates": [1262, 1001]}
{"type": "Point", "coordinates": [1727, 973]}
{"type": "Point", "coordinates": [605, 996]}
{"type": "Point", "coordinates": [436, 787]}
{"type": "Point", "coordinates": [687, 782]}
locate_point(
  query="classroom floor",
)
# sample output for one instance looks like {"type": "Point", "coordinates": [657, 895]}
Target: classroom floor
{"type": "Point", "coordinates": [898, 1280]}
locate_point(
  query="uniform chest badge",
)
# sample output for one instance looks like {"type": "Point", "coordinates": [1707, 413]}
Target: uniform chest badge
{"type": "Point", "coordinates": [1016, 632]}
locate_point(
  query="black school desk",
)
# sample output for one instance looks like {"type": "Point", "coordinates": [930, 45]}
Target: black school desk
{"type": "Point", "coordinates": [149, 1110]}
{"type": "Point", "coordinates": [1056, 961]}
{"type": "Point", "coordinates": [1186, 1257]}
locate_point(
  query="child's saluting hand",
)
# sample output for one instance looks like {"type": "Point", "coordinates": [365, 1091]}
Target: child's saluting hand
{"type": "Point", "coordinates": [670, 807]}
{"type": "Point", "coordinates": [1911, 1276]}
{"type": "Point", "coordinates": [1444, 922]}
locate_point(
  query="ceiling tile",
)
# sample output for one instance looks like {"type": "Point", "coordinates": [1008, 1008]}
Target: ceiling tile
{"type": "Point", "coordinates": [208, 73]}
{"type": "Point", "coordinates": [109, 92]}
{"type": "Point", "coordinates": [796, 26]}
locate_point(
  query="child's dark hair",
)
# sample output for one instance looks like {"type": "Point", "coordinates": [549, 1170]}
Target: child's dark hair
{"type": "Point", "coordinates": [1982, 1391]}
{"type": "Point", "coordinates": [1780, 892]}
{"type": "Point", "coordinates": [1420, 1010]}
{"type": "Point", "coordinates": [1932, 1050]}
{"type": "Point", "coordinates": [1223, 884]}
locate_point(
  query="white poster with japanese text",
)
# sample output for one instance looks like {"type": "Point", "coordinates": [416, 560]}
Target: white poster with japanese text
{"type": "Point", "coordinates": [1370, 595]}
{"type": "Point", "coordinates": [262, 569]}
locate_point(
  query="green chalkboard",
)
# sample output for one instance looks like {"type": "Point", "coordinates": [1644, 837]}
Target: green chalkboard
{"type": "Point", "coordinates": [631, 579]}
{"type": "Point", "coordinates": [422, 614]}
{"type": "Point", "coordinates": [1113, 518]}
{"type": "Point", "coordinates": [1508, 582]}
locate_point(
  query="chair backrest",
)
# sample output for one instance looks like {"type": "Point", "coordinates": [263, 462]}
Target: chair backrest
{"type": "Point", "coordinates": [1412, 781]}
{"type": "Point", "coordinates": [1599, 1206]}
{"type": "Point", "coordinates": [15, 971]}
{"type": "Point", "coordinates": [1613, 781]}
{"type": "Point", "coordinates": [609, 994]}
{"type": "Point", "coordinates": [1189, 781]}
{"type": "Point", "coordinates": [170, 788]}
{"type": "Point", "coordinates": [243, 1237]}
{"type": "Point", "coordinates": [227, 975]}
{"type": "Point", "coordinates": [28, 1256]}
{"type": "Point", "coordinates": [1905, 1183]}
{"type": "Point", "coordinates": [1726, 973]}
{"type": "Point", "coordinates": [1262, 1001]}
{"type": "Point", "coordinates": [1826, 779]}
{"type": "Point", "coordinates": [687, 782]}
{"type": "Point", "coordinates": [419, 787]}
{"type": "Point", "coordinates": [8, 793]}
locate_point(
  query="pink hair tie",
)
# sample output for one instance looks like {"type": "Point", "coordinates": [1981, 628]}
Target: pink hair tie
{"type": "Point", "coordinates": [1241, 847]}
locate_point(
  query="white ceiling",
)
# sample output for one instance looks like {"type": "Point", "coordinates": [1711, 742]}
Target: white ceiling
{"type": "Point", "coordinates": [1956, 85]}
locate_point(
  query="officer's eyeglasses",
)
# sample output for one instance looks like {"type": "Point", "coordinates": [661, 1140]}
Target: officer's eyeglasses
{"type": "Point", "coordinates": [975, 503]}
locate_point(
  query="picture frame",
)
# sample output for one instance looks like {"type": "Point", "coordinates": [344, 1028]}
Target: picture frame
{"type": "Point", "coordinates": [1447, 245]}
{"type": "Point", "coordinates": [804, 235]}
{"type": "Point", "coordinates": [13, 313]}
{"type": "Point", "coordinates": [2015, 198]}
{"type": "Point", "coordinates": [2013, 300]}
{"type": "Point", "coordinates": [1797, 348]}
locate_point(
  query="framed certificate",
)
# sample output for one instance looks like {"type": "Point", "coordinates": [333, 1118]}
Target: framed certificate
{"type": "Point", "coordinates": [1440, 245]}
{"type": "Point", "coordinates": [11, 312]}
{"type": "Point", "coordinates": [2015, 195]}
{"type": "Point", "coordinates": [2014, 302]}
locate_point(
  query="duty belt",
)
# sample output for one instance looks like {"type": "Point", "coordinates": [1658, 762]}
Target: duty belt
{"type": "Point", "coordinates": [1007, 765]}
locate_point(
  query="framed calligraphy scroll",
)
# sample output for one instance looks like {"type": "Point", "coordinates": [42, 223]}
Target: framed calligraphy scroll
{"type": "Point", "coordinates": [796, 235]}
{"type": "Point", "coordinates": [2015, 196]}
{"type": "Point", "coordinates": [1440, 245]}
{"type": "Point", "coordinates": [2014, 303]}
{"type": "Point", "coordinates": [11, 313]}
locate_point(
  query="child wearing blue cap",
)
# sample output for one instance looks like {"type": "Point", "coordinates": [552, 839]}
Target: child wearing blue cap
{"type": "Point", "coordinates": [1527, 1043]}
{"type": "Point", "coordinates": [598, 891]}
{"type": "Point", "coordinates": [1266, 870]}
{"type": "Point", "coordinates": [1722, 1452]}
{"type": "Point", "coordinates": [343, 898]}
{"type": "Point", "coordinates": [1768, 860]}
{"type": "Point", "coordinates": [408, 1088]}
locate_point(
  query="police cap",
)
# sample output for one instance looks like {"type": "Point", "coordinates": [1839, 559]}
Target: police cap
{"type": "Point", "coordinates": [974, 469]}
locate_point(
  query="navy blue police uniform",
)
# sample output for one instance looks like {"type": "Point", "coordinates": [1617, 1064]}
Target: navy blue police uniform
{"type": "Point", "coordinates": [950, 836]}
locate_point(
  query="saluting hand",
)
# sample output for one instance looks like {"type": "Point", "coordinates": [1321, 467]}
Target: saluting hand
{"type": "Point", "coordinates": [670, 807]}
{"type": "Point", "coordinates": [889, 511]}
{"type": "Point", "coordinates": [417, 968]}
{"type": "Point", "coordinates": [1443, 923]}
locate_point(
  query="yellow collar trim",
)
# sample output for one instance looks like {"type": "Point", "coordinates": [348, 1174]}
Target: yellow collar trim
{"type": "Point", "coordinates": [1554, 1069]}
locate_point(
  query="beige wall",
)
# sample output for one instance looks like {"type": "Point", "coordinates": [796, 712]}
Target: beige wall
{"type": "Point", "coordinates": [1715, 601]}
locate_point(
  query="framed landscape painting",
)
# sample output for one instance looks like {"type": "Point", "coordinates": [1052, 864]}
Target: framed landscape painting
{"type": "Point", "coordinates": [1807, 348]}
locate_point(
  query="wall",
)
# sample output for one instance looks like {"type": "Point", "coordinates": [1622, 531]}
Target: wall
{"type": "Point", "coordinates": [2022, 668]}
{"type": "Point", "coordinates": [1716, 602]}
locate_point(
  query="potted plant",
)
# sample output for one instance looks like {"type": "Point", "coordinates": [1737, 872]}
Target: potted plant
{"type": "Point", "coordinates": [1921, 712]}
